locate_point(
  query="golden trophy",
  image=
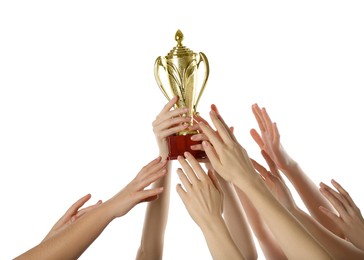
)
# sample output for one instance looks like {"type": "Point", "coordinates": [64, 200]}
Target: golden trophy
{"type": "Point", "coordinates": [180, 69]}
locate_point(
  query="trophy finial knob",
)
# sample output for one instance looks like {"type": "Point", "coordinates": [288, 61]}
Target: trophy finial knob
{"type": "Point", "coordinates": [179, 37]}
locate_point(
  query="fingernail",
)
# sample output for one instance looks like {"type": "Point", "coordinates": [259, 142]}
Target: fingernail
{"type": "Point", "coordinates": [194, 147]}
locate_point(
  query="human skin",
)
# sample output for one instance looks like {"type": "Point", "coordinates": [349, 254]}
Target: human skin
{"type": "Point", "coordinates": [73, 214]}
{"type": "Point", "coordinates": [233, 212]}
{"type": "Point", "coordinates": [232, 162]}
{"type": "Point", "coordinates": [349, 218]}
{"type": "Point", "coordinates": [168, 122]}
{"type": "Point", "coordinates": [338, 247]}
{"type": "Point", "coordinates": [202, 195]}
{"type": "Point", "coordinates": [269, 140]}
{"type": "Point", "coordinates": [266, 239]}
{"type": "Point", "coordinates": [73, 240]}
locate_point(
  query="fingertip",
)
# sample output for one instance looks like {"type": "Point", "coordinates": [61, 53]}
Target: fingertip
{"type": "Point", "coordinates": [180, 158]}
{"type": "Point", "coordinates": [214, 108]}
{"type": "Point", "coordinates": [179, 188]}
{"type": "Point", "coordinates": [195, 147]}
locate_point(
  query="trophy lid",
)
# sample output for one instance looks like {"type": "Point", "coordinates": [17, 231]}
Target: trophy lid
{"type": "Point", "coordinates": [179, 50]}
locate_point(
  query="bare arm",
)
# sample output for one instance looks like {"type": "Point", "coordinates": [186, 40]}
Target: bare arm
{"type": "Point", "coordinates": [233, 213]}
{"type": "Point", "coordinates": [203, 198]}
{"type": "Point", "coordinates": [267, 241]}
{"type": "Point", "coordinates": [311, 197]}
{"type": "Point", "coordinates": [73, 240]}
{"type": "Point", "coordinates": [350, 219]}
{"type": "Point", "coordinates": [269, 141]}
{"type": "Point", "coordinates": [236, 221]}
{"type": "Point", "coordinates": [155, 222]}
{"type": "Point", "coordinates": [73, 214]}
{"type": "Point", "coordinates": [232, 162]}
{"type": "Point", "coordinates": [338, 247]}
{"type": "Point", "coordinates": [167, 122]}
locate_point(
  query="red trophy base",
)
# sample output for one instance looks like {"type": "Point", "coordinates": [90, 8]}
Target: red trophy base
{"type": "Point", "coordinates": [178, 144]}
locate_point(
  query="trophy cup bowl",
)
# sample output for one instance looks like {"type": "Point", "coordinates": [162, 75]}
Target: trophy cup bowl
{"type": "Point", "coordinates": [180, 68]}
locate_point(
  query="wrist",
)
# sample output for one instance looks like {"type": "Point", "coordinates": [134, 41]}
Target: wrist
{"type": "Point", "coordinates": [295, 211]}
{"type": "Point", "coordinates": [248, 185]}
{"type": "Point", "coordinates": [213, 225]}
{"type": "Point", "coordinates": [109, 210]}
{"type": "Point", "coordinates": [292, 169]}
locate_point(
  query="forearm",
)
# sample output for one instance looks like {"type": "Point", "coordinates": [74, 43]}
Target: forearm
{"type": "Point", "coordinates": [73, 241]}
{"type": "Point", "coordinates": [339, 248]}
{"type": "Point", "coordinates": [219, 241]}
{"type": "Point", "coordinates": [311, 197]}
{"type": "Point", "coordinates": [283, 225]}
{"type": "Point", "coordinates": [267, 241]}
{"type": "Point", "coordinates": [236, 222]}
{"type": "Point", "coordinates": [155, 222]}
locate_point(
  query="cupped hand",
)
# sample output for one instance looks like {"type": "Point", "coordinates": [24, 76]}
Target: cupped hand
{"type": "Point", "coordinates": [169, 122]}
{"type": "Point", "coordinates": [136, 192]}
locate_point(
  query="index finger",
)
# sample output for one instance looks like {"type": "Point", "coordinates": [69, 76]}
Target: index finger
{"type": "Point", "coordinates": [214, 108]}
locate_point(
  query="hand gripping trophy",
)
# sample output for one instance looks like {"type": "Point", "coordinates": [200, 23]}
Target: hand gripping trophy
{"type": "Point", "coordinates": [180, 69]}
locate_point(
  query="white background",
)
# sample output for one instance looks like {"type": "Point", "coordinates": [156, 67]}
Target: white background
{"type": "Point", "coordinates": [78, 97]}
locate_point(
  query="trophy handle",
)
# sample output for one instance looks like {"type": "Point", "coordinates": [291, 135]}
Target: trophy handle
{"type": "Point", "coordinates": [203, 59]}
{"type": "Point", "coordinates": [159, 63]}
